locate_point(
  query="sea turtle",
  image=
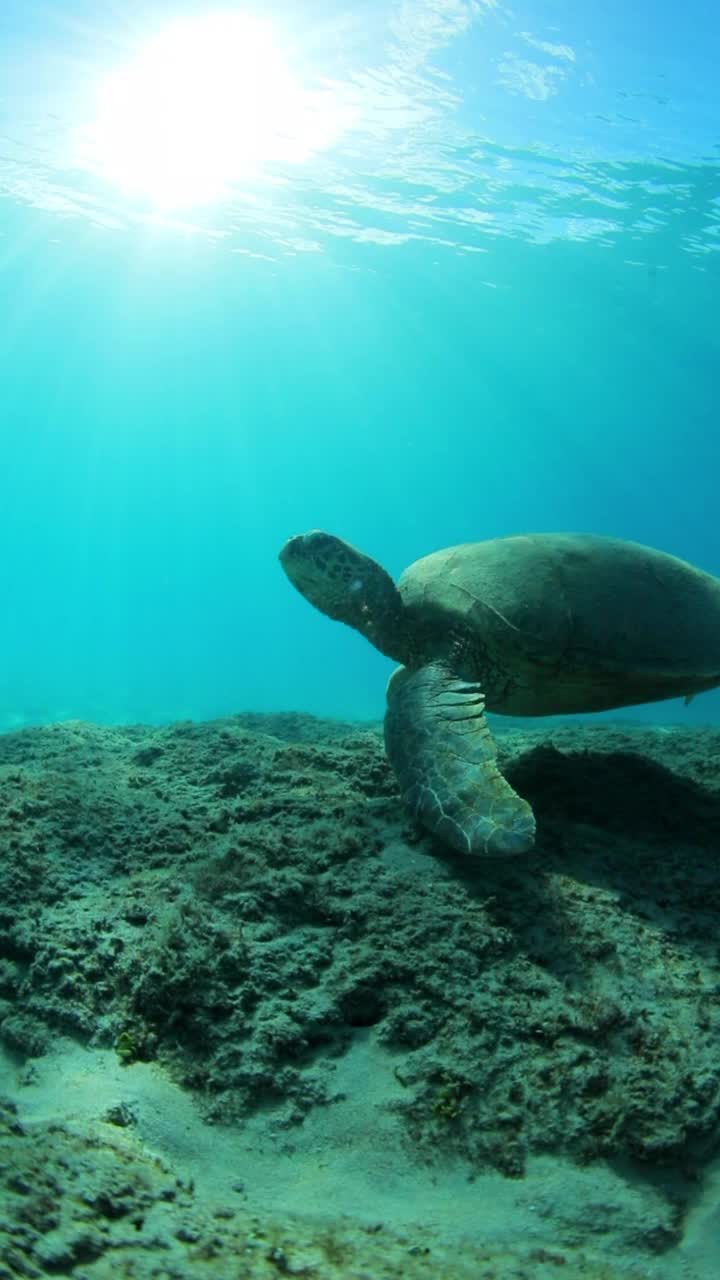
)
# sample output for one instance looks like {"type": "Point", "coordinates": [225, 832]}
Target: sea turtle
{"type": "Point", "coordinates": [530, 625]}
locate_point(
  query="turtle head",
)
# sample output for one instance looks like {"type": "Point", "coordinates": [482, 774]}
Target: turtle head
{"type": "Point", "coordinates": [348, 586]}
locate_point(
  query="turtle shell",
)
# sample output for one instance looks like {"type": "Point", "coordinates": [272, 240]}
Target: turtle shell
{"type": "Point", "coordinates": [557, 623]}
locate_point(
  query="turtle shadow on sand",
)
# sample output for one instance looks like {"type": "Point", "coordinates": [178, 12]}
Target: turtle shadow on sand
{"type": "Point", "coordinates": [622, 793]}
{"type": "Point", "coordinates": [627, 849]}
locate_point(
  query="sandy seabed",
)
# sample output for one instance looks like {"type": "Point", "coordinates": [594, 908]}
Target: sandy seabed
{"type": "Point", "coordinates": [255, 1024]}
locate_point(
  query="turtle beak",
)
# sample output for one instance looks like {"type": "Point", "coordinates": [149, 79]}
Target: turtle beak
{"type": "Point", "coordinates": [289, 548]}
{"type": "Point", "coordinates": [302, 545]}
{"type": "Point", "coordinates": [297, 559]}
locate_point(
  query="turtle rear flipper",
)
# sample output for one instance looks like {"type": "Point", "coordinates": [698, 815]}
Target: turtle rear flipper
{"type": "Point", "coordinates": [441, 749]}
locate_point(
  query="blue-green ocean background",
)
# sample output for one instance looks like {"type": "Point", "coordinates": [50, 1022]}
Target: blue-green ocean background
{"type": "Point", "coordinates": [493, 308]}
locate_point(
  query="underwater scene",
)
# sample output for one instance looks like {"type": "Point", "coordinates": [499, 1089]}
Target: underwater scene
{"type": "Point", "coordinates": [360, 645]}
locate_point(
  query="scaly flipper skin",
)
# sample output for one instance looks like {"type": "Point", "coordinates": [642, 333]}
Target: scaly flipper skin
{"type": "Point", "coordinates": [439, 745]}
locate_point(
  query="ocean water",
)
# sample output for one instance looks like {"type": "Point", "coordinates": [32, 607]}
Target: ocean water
{"type": "Point", "coordinates": [415, 272]}
{"type": "Point", "coordinates": [478, 295]}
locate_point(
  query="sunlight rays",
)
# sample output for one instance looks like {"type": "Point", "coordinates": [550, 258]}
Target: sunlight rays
{"type": "Point", "coordinates": [206, 103]}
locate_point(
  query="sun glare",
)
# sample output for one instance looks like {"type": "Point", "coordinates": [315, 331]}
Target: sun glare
{"type": "Point", "coordinates": [206, 103]}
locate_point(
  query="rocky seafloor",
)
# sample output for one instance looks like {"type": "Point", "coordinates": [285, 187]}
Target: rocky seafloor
{"type": "Point", "coordinates": [243, 904]}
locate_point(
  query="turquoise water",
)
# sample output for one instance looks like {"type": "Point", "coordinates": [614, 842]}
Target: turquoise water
{"type": "Point", "coordinates": [484, 302]}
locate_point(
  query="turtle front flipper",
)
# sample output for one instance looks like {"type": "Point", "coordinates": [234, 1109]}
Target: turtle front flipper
{"type": "Point", "coordinates": [440, 747]}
